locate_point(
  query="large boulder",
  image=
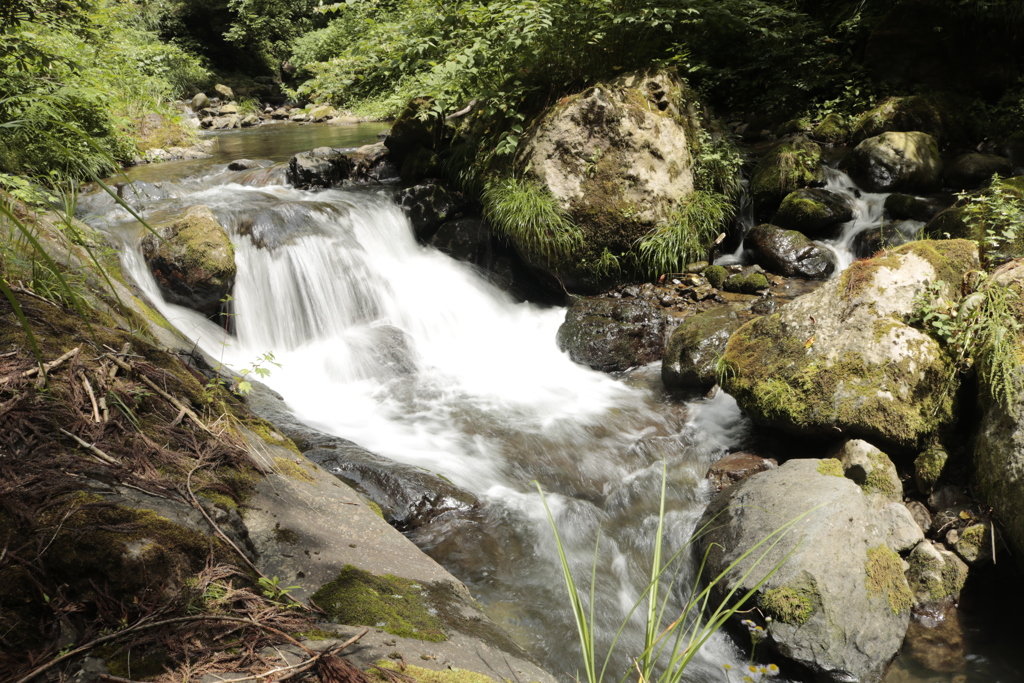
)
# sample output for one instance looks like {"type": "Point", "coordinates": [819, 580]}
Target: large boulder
{"type": "Point", "coordinates": [617, 158]}
{"type": "Point", "coordinates": [899, 114]}
{"type": "Point", "coordinates": [692, 353]}
{"type": "Point", "coordinates": [428, 206]}
{"type": "Point", "coordinates": [193, 261]}
{"type": "Point", "coordinates": [841, 361]}
{"type": "Point", "coordinates": [839, 601]}
{"type": "Point", "coordinates": [320, 168]}
{"type": "Point", "coordinates": [788, 167]}
{"type": "Point", "coordinates": [788, 253]}
{"type": "Point", "coordinates": [612, 334]}
{"type": "Point", "coordinates": [908, 207]}
{"type": "Point", "coordinates": [896, 162]}
{"type": "Point", "coordinates": [971, 171]}
{"type": "Point", "coordinates": [416, 126]}
{"type": "Point", "coordinates": [869, 242]}
{"type": "Point", "coordinates": [813, 212]}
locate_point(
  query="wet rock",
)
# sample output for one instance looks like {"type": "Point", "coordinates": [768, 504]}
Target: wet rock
{"type": "Point", "coordinates": [428, 206]}
{"type": "Point", "coordinates": [419, 164]}
{"type": "Point", "coordinates": [464, 239]}
{"type": "Point", "coordinates": [194, 263]}
{"type": "Point", "coordinates": [281, 113]}
{"type": "Point", "coordinates": [320, 168]}
{"type": "Point", "coordinates": [243, 165]}
{"type": "Point", "coordinates": [138, 194]}
{"type": "Point", "coordinates": [813, 212]}
{"type": "Point", "coordinates": [971, 171]}
{"type": "Point", "coordinates": [693, 350]}
{"type": "Point", "coordinates": [869, 242]}
{"type": "Point", "coordinates": [790, 166]}
{"type": "Point", "coordinates": [374, 163]}
{"type": "Point", "coordinates": [612, 334]}
{"type": "Point", "coordinates": [899, 114]}
{"type": "Point", "coordinates": [936, 639]}
{"type": "Point", "coordinates": [908, 207]}
{"type": "Point", "coordinates": [896, 162]}
{"type": "Point", "coordinates": [737, 467]}
{"type": "Point", "coordinates": [840, 361]}
{"type": "Point", "coordinates": [226, 122]}
{"type": "Point", "coordinates": [750, 280]}
{"type": "Point", "coordinates": [840, 603]}
{"type": "Point", "coordinates": [788, 253]}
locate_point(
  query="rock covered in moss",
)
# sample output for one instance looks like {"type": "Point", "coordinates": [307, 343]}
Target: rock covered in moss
{"type": "Point", "coordinates": [194, 263]}
{"type": "Point", "coordinates": [612, 334]}
{"type": "Point", "coordinates": [790, 166]}
{"type": "Point", "coordinates": [834, 129]}
{"type": "Point", "coordinates": [899, 114]}
{"type": "Point", "coordinates": [929, 466]}
{"type": "Point", "coordinates": [716, 275]}
{"type": "Point", "coordinates": [971, 171]}
{"type": "Point", "coordinates": [867, 243]}
{"type": "Point", "coordinates": [840, 360]}
{"type": "Point", "coordinates": [840, 603]}
{"type": "Point", "coordinates": [935, 574]}
{"type": "Point", "coordinates": [617, 158]}
{"type": "Point", "coordinates": [871, 469]}
{"type": "Point", "coordinates": [414, 127]}
{"type": "Point", "coordinates": [813, 211]}
{"type": "Point", "coordinates": [896, 162]}
{"type": "Point", "coordinates": [321, 113]}
{"type": "Point", "coordinates": [788, 253]}
{"type": "Point", "coordinates": [746, 282]}
{"type": "Point", "coordinates": [693, 350]}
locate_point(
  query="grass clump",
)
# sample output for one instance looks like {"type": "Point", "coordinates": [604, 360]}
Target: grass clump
{"type": "Point", "coordinates": [531, 217]}
{"type": "Point", "coordinates": [688, 235]}
{"type": "Point", "coordinates": [885, 578]}
{"type": "Point", "coordinates": [397, 605]}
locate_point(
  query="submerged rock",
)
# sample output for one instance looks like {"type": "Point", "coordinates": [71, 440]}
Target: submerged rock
{"type": "Point", "coordinates": [693, 350]}
{"type": "Point", "coordinates": [839, 602]}
{"type": "Point", "coordinates": [841, 361]}
{"type": "Point", "coordinates": [612, 334]}
{"type": "Point", "coordinates": [194, 262]}
{"type": "Point", "coordinates": [896, 162]}
{"type": "Point", "coordinates": [788, 253]}
{"type": "Point", "coordinates": [813, 212]}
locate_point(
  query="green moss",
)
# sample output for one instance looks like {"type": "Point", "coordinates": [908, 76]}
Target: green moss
{"type": "Point", "coordinates": [935, 579]}
{"type": "Point", "coordinates": [292, 469]}
{"type": "Point", "coordinates": [396, 605]}
{"type": "Point", "coordinates": [790, 604]}
{"type": "Point", "coordinates": [899, 114]}
{"type": "Point", "coordinates": [376, 508]}
{"type": "Point", "coordinates": [786, 168]}
{"type": "Point", "coordinates": [423, 675]}
{"type": "Point", "coordinates": [793, 126]}
{"type": "Point", "coordinates": [316, 634]}
{"type": "Point", "coordinates": [881, 479]}
{"type": "Point", "coordinates": [268, 433]}
{"type": "Point", "coordinates": [716, 275]}
{"type": "Point", "coordinates": [137, 664]}
{"type": "Point", "coordinates": [221, 500]}
{"type": "Point", "coordinates": [974, 542]}
{"type": "Point", "coordinates": [749, 284]}
{"type": "Point", "coordinates": [885, 578]}
{"type": "Point", "coordinates": [152, 315]}
{"type": "Point", "coordinates": [928, 467]}
{"type": "Point", "coordinates": [833, 129]}
{"type": "Point", "coordinates": [831, 467]}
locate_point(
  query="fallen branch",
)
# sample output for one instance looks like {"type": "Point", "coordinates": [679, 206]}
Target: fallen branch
{"type": "Point", "coordinates": [301, 667]}
{"type": "Point", "coordinates": [45, 368]}
{"type": "Point", "coordinates": [153, 385]}
{"type": "Point", "coordinates": [92, 448]}
{"type": "Point", "coordinates": [92, 396]}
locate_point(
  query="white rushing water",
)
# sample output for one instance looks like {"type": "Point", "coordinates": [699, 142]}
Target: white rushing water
{"type": "Point", "coordinates": [483, 397]}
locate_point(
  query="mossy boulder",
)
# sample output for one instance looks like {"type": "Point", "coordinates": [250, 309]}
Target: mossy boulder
{"type": "Point", "coordinates": [935, 575]}
{"type": "Point", "coordinates": [693, 350]}
{"type": "Point", "coordinates": [867, 243]}
{"type": "Point", "coordinates": [834, 129]}
{"type": "Point", "coordinates": [416, 126]}
{"type": "Point", "coordinates": [617, 158]}
{"type": "Point", "coordinates": [929, 466]}
{"type": "Point", "coordinates": [716, 275]}
{"type": "Point", "coordinates": [612, 334]}
{"type": "Point", "coordinates": [871, 469]}
{"type": "Point", "coordinates": [790, 166]}
{"type": "Point", "coordinates": [813, 212]}
{"type": "Point", "coordinates": [788, 253]}
{"type": "Point", "coordinates": [971, 171]}
{"type": "Point", "coordinates": [839, 601]}
{"type": "Point", "coordinates": [194, 262]}
{"type": "Point", "coordinates": [896, 162]}
{"type": "Point", "coordinates": [321, 113]}
{"type": "Point", "coordinates": [841, 361]}
{"type": "Point", "coordinates": [899, 114]}
{"type": "Point", "coordinates": [746, 282]}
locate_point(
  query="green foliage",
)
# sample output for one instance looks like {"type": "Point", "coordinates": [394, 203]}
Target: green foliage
{"type": "Point", "coordinates": [689, 233]}
{"type": "Point", "coordinates": [530, 216]}
{"type": "Point", "coordinates": [994, 217]}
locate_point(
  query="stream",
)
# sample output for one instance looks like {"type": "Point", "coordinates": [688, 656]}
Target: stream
{"type": "Point", "coordinates": [482, 396]}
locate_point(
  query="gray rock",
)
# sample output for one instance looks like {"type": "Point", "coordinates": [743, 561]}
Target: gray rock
{"type": "Point", "coordinates": [139, 194]}
{"type": "Point", "coordinates": [896, 162]}
{"type": "Point", "coordinates": [249, 120]}
{"type": "Point", "coordinates": [612, 334]}
{"type": "Point", "coordinates": [226, 93]}
{"type": "Point", "coordinates": [813, 211]}
{"type": "Point", "coordinates": [899, 114]}
{"type": "Point", "coordinates": [374, 164]}
{"type": "Point", "coordinates": [693, 350]}
{"type": "Point", "coordinates": [200, 101]}
{"type": "Point", "coordinates": [841, 361]}
{"type": "Point", "coordinates": [320, 168]}
{"type": "Point", "coordinates": [243, 165]}
{"type": "Point", "coordinates": [840, 603]}
{"type": "Point", "coordinates": [971, 171]}
{"type": "Point", "coordinates": [226, 122]}
{"type": "Point", "coordinates": [788, 253]}
{"type": "Point", "coordinates": [872, 470]}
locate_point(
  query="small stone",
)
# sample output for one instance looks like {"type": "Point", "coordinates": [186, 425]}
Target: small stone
{"type": "Point", "coordinates": [737, 467]}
